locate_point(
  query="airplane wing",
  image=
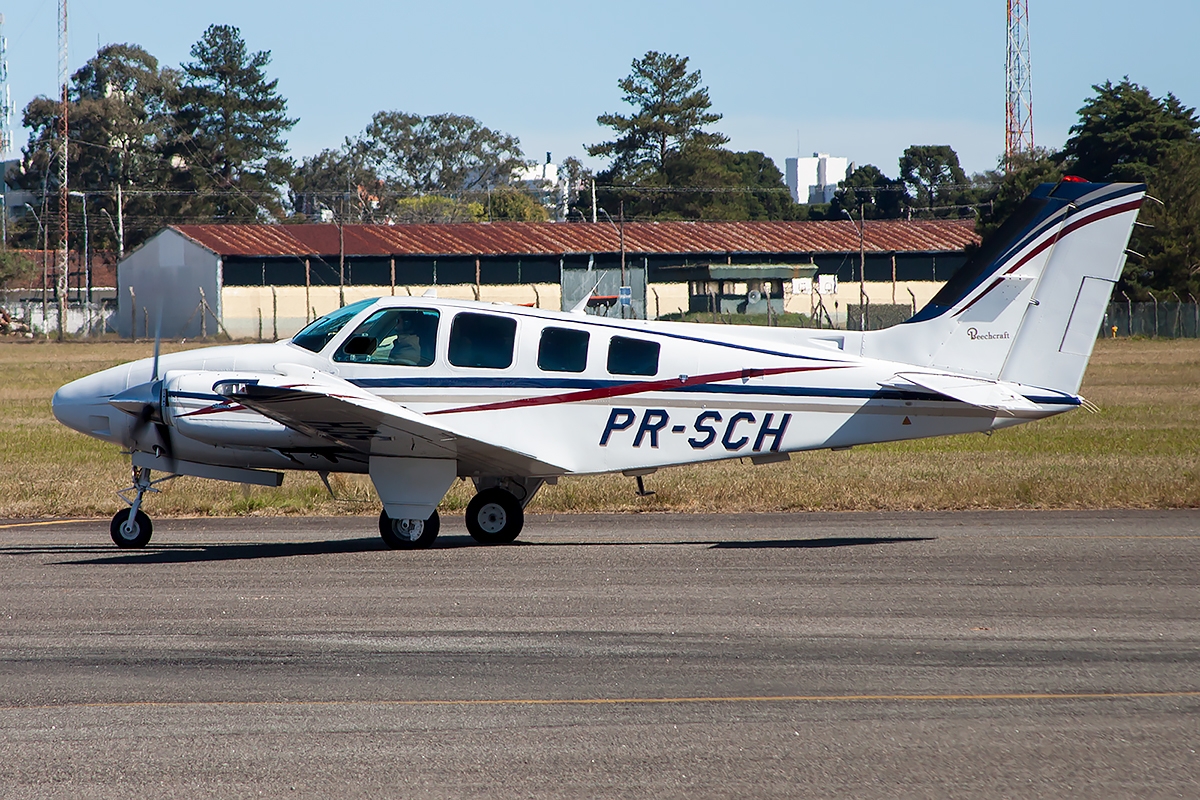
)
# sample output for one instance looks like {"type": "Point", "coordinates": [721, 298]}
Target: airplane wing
{"type": "Point", "coordinates": [981, 392]}
{"type": "Point", "coordinates": [325, 407]}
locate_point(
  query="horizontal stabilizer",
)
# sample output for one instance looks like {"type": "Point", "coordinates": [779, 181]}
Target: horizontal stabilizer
{"type": "Point", "coordinates": [992, 395]}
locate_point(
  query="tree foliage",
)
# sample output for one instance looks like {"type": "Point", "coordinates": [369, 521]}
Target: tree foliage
{"type": "Point", "coordinates": [434, 208]}
{"type": "Point", "coordinates": [228, 139]}
{"type": "Point", "coordinates": [440, 153]}
{"type": "Point", "coordinates": [666, 164]}
{"type": "Point", "coordinates": [342, 182]}
{"type": "Point", "coordinates": [119, 107]}
{"type": "Point", "coordinates": [1172, 242]}
{"type": "Point", "coordinates": [671, 112]}
{"type": "Point", "coordinates": [871, 194]}
{"type": "Point", "coordinates": [15, 267]}
{"type": "Point", "coordinates": [1026, 171]}
{"type": "Point", "coordinates": [932, 175]}
{"type": "Point", "coordinates": [1124, 133]}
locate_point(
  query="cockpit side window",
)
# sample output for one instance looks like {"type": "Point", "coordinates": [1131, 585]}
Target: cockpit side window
{"type": "Point", "coordinates": [482, 340]}
{"type": "Point", "coordinates": [397, 336]}
{"type": "Point", "coordinates": [317, 334]}
{"type": "Point", "coordinates": [563, 350]}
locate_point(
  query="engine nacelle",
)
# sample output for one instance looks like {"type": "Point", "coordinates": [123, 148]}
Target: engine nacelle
{"type": "Point", "coordinates": [196, 411]}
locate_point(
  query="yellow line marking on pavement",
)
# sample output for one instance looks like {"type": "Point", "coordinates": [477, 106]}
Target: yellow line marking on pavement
{"type": "Point", "coordinates": [620, 701]}
{"type": "Point", "coordinates": [35, 524]}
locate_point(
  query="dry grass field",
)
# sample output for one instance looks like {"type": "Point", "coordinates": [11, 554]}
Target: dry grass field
{"type": "Point", "coordinates": [1142, 450]}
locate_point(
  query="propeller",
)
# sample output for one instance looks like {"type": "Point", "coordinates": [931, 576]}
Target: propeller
{"type": "Point", "coordinates": [144, 402]}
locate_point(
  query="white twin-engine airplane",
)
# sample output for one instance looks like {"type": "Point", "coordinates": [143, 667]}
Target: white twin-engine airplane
{"type": "Point", "coordinates": [418, 392]}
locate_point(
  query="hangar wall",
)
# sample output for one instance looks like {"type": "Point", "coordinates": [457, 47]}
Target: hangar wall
{"type": "Point", "coordinates": [171, 276]}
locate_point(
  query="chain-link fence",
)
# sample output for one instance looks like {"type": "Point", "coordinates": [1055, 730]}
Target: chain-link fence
{"type": "Point", "coordinates": [1157, 320]}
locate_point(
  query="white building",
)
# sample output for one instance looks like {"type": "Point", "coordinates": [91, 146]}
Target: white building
{"type": "Point", "coordinates": [814, 180]}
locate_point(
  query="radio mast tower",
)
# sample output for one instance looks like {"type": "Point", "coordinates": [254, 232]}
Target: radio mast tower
{"type": "Point", "coordinates": [6, 131]}
{"type": "Point", "coordinates": [1018, 136]}
{"type": "Point", "coordinates": [63, 193]}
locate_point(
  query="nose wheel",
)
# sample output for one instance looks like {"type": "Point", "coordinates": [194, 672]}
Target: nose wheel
{"type": "Point", "coordinates": [130, 528]}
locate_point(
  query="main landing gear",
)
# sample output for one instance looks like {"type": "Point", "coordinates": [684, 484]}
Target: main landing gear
{"type": "Point", "coordinates": [130, 527]}
{"type": "Point", "coordinates": [409, 534]}
{"type": "Point", "coordinates": [495, 515]}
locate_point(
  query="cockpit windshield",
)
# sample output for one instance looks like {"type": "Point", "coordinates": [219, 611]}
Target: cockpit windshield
{"type": "Point", "coordinates": [317, 334]}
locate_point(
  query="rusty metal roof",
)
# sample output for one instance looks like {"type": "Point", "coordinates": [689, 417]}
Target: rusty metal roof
{"type": "Point", "coordinates": [556, 239]}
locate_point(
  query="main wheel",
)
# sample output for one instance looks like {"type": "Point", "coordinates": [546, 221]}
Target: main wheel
{"type": "Point", "coordinates": [128, 532]}
{"type": "Point", "coordinates": [494, 516]}
{"type": "Point", "coordinates": [409, 534]}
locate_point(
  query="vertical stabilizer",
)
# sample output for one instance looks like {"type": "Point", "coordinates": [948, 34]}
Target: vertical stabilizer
{"type": "Point", "coordinates": [1027, 306]}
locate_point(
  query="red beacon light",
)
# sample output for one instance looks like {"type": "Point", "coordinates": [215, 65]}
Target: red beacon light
{"type": "Point", "coordinates": [1073, 179]}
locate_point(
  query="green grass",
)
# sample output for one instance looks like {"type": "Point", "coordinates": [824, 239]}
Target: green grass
{"type": "Point", "coordinates": [1142, 450]}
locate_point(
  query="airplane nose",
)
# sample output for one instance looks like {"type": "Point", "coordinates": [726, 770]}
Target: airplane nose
{"type": "Point", "coordinates": [82, 405]}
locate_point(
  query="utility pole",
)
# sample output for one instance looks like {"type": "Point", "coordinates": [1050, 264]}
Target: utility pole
{"type": "Point", "coordinates": [621, 218]}
{"type": "Point", "coordinates": [63, 187]}
{"type": "Point", "coordinates": [342, 255]}
{"type": "Point", "coordinates": [6, 132]}
{"type": "Point", "coordinates": [120, 223]}
{"type": "Point", "coordinates": [862, 268]}
{"type": "Point", "coordinates": [87, 262]}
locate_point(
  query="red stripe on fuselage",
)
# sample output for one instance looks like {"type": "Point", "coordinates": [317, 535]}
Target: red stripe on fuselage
{"type": "Point", "coordinates": [636, 388]}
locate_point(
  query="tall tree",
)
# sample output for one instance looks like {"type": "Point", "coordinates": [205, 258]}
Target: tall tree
{"type": "Point", "coordinates": [1171, 243]}
{"type": "Point", "coordinates": [441, 153]}
{"type": "Point", "coordinates": [932, 174]}
{"type": "Point", "coordinates": [1010, 188]}
{"type": "Point", "coordinates": [671, 111]}
{"type": "Point", "coordinates": [340, 181]}
{"type": "Point", "coordinates": [119, 106]}
{"type": "Point", "coordinates": [869, 192]}
{"type": "Point", "coordinates": [1124, 133]}
{"type": "Point", "coordinates": [231, 122]}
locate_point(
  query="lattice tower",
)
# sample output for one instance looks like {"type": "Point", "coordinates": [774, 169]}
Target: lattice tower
{"type": "Point", "coordinates": [6, 131]}
{"type": "Point", "coordinates": [63, 188]}
{"type": "Point", "coordinates": [1018, 137]}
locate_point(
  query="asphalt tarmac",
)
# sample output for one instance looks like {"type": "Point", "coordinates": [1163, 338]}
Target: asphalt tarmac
{"type": "Point", "coordinates": [822, 655]}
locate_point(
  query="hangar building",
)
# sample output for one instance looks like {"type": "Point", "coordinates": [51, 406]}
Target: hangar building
{"type": "Point", "coordinates": [269, 280]}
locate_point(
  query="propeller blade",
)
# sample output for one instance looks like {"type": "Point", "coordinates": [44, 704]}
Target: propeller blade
{"type": "Point", "coordinates": [157, 344]}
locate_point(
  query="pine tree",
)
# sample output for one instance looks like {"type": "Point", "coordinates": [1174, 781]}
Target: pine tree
{"type": "Point", "coordinates": [671, 110]}
{"type": "Point", "coordinates": [1124, 133]}
{"type": "Point", "coordinates": [229, 141]}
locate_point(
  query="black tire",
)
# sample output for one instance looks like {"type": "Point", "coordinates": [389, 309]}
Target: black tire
{"type": "Point", "coordinates": [136, 535]}
{"type": "Point", "coordinates": [494, 516]}
{"type": "Point", "coordinates": [398, 538]}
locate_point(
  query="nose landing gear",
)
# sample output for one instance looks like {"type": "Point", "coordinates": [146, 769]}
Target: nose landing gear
{"type": "Point", "coordinates": [130, 527]}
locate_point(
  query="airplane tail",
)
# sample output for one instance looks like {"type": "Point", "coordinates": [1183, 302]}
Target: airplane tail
{"type": "Point", "coordinates": [1027, 306]}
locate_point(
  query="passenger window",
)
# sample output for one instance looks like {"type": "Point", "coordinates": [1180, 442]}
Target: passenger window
{"type": "Point", "coordinates": [482, 340]}
{"type": "Point", "coordinates": [563, 350]}
{"type": "Point", "coordinates": [399, 336]}
{"type": "Point", "coordinates": [632, 356]}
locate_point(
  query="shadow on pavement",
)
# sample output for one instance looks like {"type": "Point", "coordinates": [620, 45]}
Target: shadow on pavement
{"type": "Point", "coordinates": [187, 554]}
{"type": "Point", "coordinates": [829, 541]}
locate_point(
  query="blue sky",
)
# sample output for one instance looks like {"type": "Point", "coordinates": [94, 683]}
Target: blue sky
{"type": "Point", "coordinates": [858, 79]}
